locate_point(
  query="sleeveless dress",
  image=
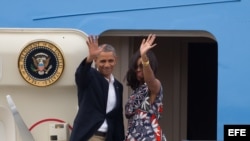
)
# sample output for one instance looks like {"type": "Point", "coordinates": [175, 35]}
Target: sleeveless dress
{"type": "Point", "coordinates": [142, 117]}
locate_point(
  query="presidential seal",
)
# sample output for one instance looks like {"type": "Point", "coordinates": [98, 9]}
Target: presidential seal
{"type": "Point", "coordinates": [41, 63]}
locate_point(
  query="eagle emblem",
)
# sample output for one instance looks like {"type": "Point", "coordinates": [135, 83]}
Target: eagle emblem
{"type": "Point", "coordinates": [41, 63]}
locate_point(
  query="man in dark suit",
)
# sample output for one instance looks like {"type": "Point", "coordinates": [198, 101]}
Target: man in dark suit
{"type": "Point", "coordinates": [100, 114]}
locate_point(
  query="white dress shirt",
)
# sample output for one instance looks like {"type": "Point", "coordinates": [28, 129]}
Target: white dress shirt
{"type": "Point", "coordinates": [110, 103]}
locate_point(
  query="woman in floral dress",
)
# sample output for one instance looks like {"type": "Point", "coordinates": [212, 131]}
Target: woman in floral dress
{"type": "Point", "coordinates": [144, 105]}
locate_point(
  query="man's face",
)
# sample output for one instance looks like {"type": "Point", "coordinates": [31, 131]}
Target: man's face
{"type": "Point", "coordinates": [105, 63]}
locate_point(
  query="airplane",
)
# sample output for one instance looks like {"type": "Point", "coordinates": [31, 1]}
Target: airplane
{"type": "Point", "coordinates": [202, 48]}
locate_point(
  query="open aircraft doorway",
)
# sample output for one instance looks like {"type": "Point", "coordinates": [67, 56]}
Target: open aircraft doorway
{"type": "Point", "coordinates": [188, 68]}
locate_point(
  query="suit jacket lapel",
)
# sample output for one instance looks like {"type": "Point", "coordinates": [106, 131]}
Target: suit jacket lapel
{"type": "Point", "coordinates": [117, 93]}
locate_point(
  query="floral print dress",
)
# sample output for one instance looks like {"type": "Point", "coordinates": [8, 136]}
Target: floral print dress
{"type": "Point", "coordinates": [143, 117]}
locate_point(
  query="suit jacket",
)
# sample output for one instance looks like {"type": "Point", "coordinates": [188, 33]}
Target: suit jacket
{"type": "Point", "coordinates": [92, 101]}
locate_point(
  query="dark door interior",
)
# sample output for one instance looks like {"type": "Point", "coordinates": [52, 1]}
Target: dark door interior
{"type": "Point", "coordinates": [202, 91]}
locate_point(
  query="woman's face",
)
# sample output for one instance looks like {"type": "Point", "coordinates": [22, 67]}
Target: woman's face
{"type": "Point", "coordinates": [139, 70]}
